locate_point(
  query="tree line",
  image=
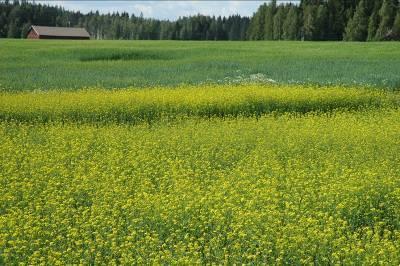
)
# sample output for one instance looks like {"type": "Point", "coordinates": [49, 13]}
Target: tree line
{"type": "Point", "coordinates": [318, 20]}
{"type": "Point", "coordinates": [16, 18]}
{"type": "Point", "coordinates": [351, 20]}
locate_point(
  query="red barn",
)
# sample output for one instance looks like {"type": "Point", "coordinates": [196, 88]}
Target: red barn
{"type": "Point", "coordinates": [41, 32]}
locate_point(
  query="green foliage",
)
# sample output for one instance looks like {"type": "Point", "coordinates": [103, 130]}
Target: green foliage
{"type": "Point", "coordinates": [357, 28]}
{"type": "Point", "coordinates": [309, 23]}
{"type": "Point", "coordinates": [387, 15]}
{"type": "Point", "coordinates": [269, 21]}
{"type": "Point", "coordinates": [322, 20]}
{"type": "Point", "coordinates": [257, 25]}
{"type": "Point", "coordinates": [337, 19]}
{"type": "Point", "coordinates": [104, 54]}
{"type": "Point", "coordinates": [291, 26]}
{"type": "Point", "coordinates": [396, 27]}
{"type": "Point", "coordinates": [373, 26]}
{"type": "Point", "coordinates": [16, 19]}
{"type": "Point", "coordinates": [279, 19]}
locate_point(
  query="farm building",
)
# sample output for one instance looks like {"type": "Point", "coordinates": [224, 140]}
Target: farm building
{"type": "Point", "coordinates": [41, 32]}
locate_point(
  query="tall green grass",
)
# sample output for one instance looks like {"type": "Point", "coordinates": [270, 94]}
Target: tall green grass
{"type": "Point", "coordinates": [159, 104]}
{"type": "Point", "coordinates": [95, 54]}
{"type": "Point", "coordinates": [30, 65]}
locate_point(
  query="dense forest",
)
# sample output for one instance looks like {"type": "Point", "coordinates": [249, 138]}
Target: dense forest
{"type": "Point", "coordinates": [351, 20]}
{"type": "Point", "coordinates": [17, 17]}
{"type": "Point", "coordinates": [318, 20]}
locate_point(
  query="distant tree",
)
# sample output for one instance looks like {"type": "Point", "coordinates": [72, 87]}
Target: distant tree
{"type": "Point", "coordinates": [291, 26]}
{"type": "Point", "coordinates": [256, 28]}
{"type": "Point", "coordinates": [15, 17]}
{"type": "Point", "coordinates": [373, 6]}
{"type": "Point", "coordinates": [321, 22]}
{"type": "Point", "coordinates": [116, 29]}
{"type": "Point", "coordinates": [386, 15]}
{"type": "Point", "coordinates": [347, 15]}
{"type": "Point", "coordinates": [372, 26]}
{"type": "Point", "coordinates": [396, 27]}
{"type": "Point", "coordinates": [357, 27]}
{"type": "Point", "coordinates": [25, 28]}
{"type": "Point", "coordinates": [234, 28]}
{"type": "Point", "coordinates": [164, 31]}
{"type": "Point", "coordinates": [244, 25]}
{"type": "Point", "coordinates": [279, 19]}
{"type": "Point", "coordinates": [92, 27]}
{"type": "Point", "coordinates": [212, 30]}
{"type": "Point", "coordinates": [309, 23]}
{"type": "Point", "coordinates": [13, 31]}
{"type": "Point", "coordinates": [270, 11]}
{"type": "Point", "coordinates": [310, 20]}
{"type": "Point", "coordinates": [14, 26]}
{"type": "Point", "coordinates": [219, 35]}
{"type": "Point", "coordinates": [336, 20]}
{"type": "Point", "coordinates": [3, 25]}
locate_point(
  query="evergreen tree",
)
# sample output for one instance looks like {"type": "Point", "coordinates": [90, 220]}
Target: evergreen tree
{"type": "Point", "coordinates": [3, 25]}
{"type": "Point", "coordinates": [220, 29]}
{"type": "Point", "coordinates": [234, 26]}
{"type": "Point", "coordinates": [24, 30]}
{"type": "Point", "coordinates": [256, 30]}
{"type": "Point", "coordinates": [372, 26]}
{"type": "Point", "coordinates": [244, 25]}
{"type": "Point", "coordinates": [321, 23]}
{"type": "Point", "coordinates": [311, 20]}
{"type": "Point", "coordinates": [291, 25]}
{"type": "Point", "coordinates": [386, 15]}
{"type": "Point", "coordinates": [336, 20]}
{"type": "Point", "coordinates": [396, 27]}
{"type": "Point", "coordinates": [13, 30]}
{"type": "Point", "coordinates": [357, 27]}
{"type": "Point", "coordinates": [16, 16]}
{"type": "Point", "coordinates": [212, 31]}
{"type": "Point", "coordinates": [373, 6]}
{"type": "Point", "coordinates": [309, 23]}
{"type": "Point", "coordinates": [269, 21]}
{"type": "Point", "coordinates": [279, 19]}
{"type": "Point", "coordinates": [14, 27]}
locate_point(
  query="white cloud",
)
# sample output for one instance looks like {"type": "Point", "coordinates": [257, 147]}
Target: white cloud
{"type": "Point", "coordinates": [147, 10]}
{"type": "Point", "coordinates": [163, 9]}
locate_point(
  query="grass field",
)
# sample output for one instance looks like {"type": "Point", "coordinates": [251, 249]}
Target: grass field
{"type": "Point", "coordinates": [29, 65]}
{"type": "Point", "coordinates": [94, 170]}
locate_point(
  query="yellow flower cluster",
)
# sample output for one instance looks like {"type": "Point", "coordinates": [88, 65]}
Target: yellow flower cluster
{"type": "Point", "coordinates": [280, 189]}
{"type": "Point", "coordinates": [135, 106]}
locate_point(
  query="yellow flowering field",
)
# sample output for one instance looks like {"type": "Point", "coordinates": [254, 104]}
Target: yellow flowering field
{"type": "Point", "coordinates": [135, 106]}
{"type": "Point", "coordinates": [302, 176]}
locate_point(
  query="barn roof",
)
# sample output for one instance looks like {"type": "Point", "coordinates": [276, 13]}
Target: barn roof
{"type": "Point", "coordinates": [61, 31]}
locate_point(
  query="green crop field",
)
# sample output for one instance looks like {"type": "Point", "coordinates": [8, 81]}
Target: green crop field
{"type": "Point", "coordinates": [28, 65]}
{"type": "Point", "coordinates": [123, 153]}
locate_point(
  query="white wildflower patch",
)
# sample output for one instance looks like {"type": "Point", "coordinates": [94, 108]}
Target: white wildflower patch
{"type": "Point", "coordinates": [243, 79]}
{"type": "Point", "coordinates": [260, 77]}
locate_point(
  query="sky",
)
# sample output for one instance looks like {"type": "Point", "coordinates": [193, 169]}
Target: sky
{"type": "Point", "coordinates": [163, 9]}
